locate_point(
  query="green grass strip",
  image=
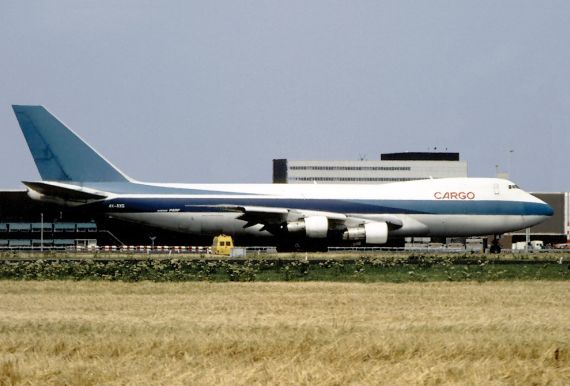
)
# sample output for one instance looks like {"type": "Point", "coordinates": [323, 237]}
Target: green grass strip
{"type": "Point", "coordinates": [412, 269]}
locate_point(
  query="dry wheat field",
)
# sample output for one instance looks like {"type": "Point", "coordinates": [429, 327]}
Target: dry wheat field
{"type": "Point", "coordinates": [113, 333]}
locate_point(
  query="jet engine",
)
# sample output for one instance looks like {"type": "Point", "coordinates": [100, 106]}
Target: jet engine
{"type": "Point", "coordinates": [315, 227]}
{"type": "Point", "coordinates": [372, 233]}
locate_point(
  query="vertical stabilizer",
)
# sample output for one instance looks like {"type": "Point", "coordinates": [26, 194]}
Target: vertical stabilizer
{"type": "Point", "coordinates": [59, 153]}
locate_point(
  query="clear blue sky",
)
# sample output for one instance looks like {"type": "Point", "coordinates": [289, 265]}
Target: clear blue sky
{"type": "Point", "coordinates": [212, 91]}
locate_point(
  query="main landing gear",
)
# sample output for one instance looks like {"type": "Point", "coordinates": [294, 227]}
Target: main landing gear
{"type": "Point", "coordinates": [495, 247]}
{"type": "Point", "coordinates": [302, 246]}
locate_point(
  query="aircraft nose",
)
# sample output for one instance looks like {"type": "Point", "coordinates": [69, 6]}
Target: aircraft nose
{"type": "Point", "coordinates": [535, 211]}
{"type": "Point", "coordinates": [547, 209]}
{"type": "Point", "coordinates": [534, 206]}
{"type": "Point", "coordinates": [543, 209]}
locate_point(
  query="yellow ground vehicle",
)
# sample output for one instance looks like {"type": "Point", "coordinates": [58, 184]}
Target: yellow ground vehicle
{"type": "Point", "coordinates": [222, 245]}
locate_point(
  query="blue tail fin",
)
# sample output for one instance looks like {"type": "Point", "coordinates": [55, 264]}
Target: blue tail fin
{"type": "Point", "coordinates": [60, 154]}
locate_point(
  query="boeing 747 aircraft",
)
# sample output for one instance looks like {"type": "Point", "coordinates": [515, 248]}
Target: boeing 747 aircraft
{"type": "Point", "coordinates": [75, 174]}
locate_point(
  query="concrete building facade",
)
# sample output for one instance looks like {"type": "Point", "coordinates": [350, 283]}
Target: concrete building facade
{"type": "Point", "coordinates": [391, 167]}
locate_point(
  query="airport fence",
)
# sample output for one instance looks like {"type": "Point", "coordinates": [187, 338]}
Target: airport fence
{"type": "Point", "coordinates": [132, 249]}
{"type": "Point", "coordinates": [207, 250]}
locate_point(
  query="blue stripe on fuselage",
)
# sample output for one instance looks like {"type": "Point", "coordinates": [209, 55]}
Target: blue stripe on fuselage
{"type": "Point", "coordinates": [470, 207]}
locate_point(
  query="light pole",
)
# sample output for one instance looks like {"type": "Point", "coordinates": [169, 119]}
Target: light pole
{"type": "Point", "coordinates": [42, 232]}
{"type": "Point", "coordinates": [510, 163]}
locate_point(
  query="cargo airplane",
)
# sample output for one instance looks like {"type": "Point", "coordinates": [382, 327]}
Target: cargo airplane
{"type": "Point", "coordinates": [295, 215]}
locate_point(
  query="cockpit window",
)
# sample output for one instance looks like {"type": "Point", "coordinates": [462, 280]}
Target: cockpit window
{"type": "Point", "coordinates": [514, 187]}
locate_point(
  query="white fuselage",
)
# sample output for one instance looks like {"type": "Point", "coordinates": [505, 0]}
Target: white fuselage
{"type": "Point", "coordinates": [436, 207]}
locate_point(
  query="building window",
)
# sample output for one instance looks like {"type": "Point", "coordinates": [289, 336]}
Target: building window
{"type": "Point", "coordinates": [386, 168]}
{"type": "Point", "coordinates": [355, 179]}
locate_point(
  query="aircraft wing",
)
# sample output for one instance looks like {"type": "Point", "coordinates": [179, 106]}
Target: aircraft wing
{"type": "Point", "coordinates": [271, 216]}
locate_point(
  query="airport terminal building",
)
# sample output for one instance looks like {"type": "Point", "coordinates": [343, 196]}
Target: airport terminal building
{"type": "Point", "coordinates": [392, 167]}
{"type": "Point", "coordinates": [30, 224]}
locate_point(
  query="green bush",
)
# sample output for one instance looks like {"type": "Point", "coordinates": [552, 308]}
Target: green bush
{"type": "Point", "coordinates": [364, 269]}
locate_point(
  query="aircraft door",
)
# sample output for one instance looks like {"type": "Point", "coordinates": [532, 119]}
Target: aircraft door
{"type": "Point", "coordinates": [496, 189]}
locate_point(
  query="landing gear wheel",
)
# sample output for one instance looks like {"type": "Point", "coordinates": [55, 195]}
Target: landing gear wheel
{"type": "Point", "coordinates": [302, 246]}
{"type": "Point", "coordinates": [495, 248]}
{"type": "Point", "coordinates": [291, 247]}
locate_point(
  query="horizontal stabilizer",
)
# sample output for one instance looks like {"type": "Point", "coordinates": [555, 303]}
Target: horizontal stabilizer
{"type": "Point", "coordinates": [52, 191]}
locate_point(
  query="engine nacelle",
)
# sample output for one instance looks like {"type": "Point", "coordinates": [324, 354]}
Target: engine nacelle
{"type": "Point", "coordinates": [315, 227]}
{"type": "Point", "coordinates": [372, 233]}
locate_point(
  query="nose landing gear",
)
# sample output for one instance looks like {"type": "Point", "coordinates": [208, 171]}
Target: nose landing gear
{"type": "Point", "coordinates": [495, 247]}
